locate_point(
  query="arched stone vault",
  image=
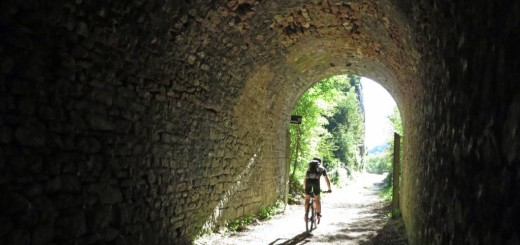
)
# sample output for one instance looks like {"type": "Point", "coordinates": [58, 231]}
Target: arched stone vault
{"type": "Point", "coordinates": [322, 40]}
{"type": "Point", "coordinates": [149, 122]}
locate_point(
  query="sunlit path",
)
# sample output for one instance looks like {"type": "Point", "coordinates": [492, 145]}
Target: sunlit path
{"type": "Point", "coordinates": [350, 216]}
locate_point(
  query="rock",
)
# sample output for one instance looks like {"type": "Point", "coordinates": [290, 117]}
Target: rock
{"type": "Point", "coordinates": [6, 225]}
{"type": "Point", "coordinates": [31, 134]}
{"type": "Point", "coordinates": [42, 234]}
{"type": "Point", "coordinates": [6, 135]}
{"type": "Point", "coordinates": [17, 203]}
{"type": "Point", "coordinates": [20, 237]}
{"type": "Point", "coordinates": [110, 195]}
{"type": "Point", "coordinates": [99, 122]}
{"type": "Point", "coordinates": [89, 145]}
{"type": "Point", "coordinates": [71, 226]}
{"type": "Point", "coordinates": [100, 217]}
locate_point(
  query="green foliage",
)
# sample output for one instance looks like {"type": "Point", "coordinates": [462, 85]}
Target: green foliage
{"type": "Point", "coordinates": [396, 122]}
{"type": "Point", "coordinates": [397, 215]}
{"type": "Point", "coordinates": [379, 164]}
{"type": "Point", "coordinates": [386, 192]}
{"type": "Point", "coordinates": [295, 190]}
{"type": "Point", "coordinates": [239, 224]}
{"type": "Point", "coordinates": [382, 163]}
{"type": "Point", "coordinates": [265, 213]}
{"type": "Point", "coordinates": [269, 212]}
{"type": "Point", "coordinates": [339, 176]}
{"type": "Point", "coordinates": [309, 137]}
{"type": "Point", "coordinates": [332, 128]}
{"type": "Point", "coordinates": [347, 125]}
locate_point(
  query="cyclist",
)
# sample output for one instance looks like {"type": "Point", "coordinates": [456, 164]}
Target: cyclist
{"type": "Point", "coordinates": [311, 184]}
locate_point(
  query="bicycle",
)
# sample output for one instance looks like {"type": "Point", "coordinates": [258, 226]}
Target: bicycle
{"type": "Point", "coordinates": [311, 223]}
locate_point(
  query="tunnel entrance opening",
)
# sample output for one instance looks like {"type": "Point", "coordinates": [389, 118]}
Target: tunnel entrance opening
{"type": "Point", "coordinates": [335, 133]}
{"type": "Point", "coordinates": [384, 137]}
{"type": "Point", "coordinates": [332, 129]}
{"type": "Point", "coordinates": [382, 121]}
{"type": "Point", "coordinates": [350, 122]}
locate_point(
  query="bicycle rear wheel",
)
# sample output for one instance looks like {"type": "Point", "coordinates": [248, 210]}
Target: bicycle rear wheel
{"type": "Point", "coordinates": [309, 217]}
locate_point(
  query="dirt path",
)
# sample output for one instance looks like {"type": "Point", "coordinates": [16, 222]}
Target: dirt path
{"type": "Point", "coordinates": [353, 215]}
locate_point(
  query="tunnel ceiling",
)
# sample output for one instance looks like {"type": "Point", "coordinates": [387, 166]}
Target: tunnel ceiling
{"type": "Point", "coordinates": [300, 43]}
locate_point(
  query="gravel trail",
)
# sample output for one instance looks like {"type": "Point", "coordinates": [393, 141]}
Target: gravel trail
{"type": "Point", "coordinates": [353, 215]}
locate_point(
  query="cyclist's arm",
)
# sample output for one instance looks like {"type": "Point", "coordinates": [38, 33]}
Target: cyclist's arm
{"type": "Point", "coordinates": [327, 180]}
{"type": "Point", "coordinates": [304, 183]}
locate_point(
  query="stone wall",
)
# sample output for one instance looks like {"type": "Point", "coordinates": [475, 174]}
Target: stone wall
{"type": "Point", "coordinates": [149, 122]}
{"type": "Point", "coordinates": [466, 166]}
{"type": "Point", "coordinates": [117, 128]}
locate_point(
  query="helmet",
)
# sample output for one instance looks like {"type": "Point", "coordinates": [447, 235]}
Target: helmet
{"type": "Point", "coordinates": [317, 159]}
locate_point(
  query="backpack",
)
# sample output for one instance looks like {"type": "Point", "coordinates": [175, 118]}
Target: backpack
{"type": "Point", "coordinates": [313, 171]}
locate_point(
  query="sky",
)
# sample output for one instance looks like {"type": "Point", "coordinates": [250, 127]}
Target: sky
{"type": "Point", "coordinates": [378, 105]}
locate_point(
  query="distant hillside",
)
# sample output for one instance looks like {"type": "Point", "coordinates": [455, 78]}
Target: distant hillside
{"type": "Point", "coordinates": [378, 149]}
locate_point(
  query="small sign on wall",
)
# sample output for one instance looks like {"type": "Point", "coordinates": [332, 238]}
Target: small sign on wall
{"type": "Point", "coordinates": [296, 119]}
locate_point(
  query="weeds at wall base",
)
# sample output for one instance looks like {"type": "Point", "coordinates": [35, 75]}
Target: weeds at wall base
{"type": "Point", "coordinates": [237, 225]}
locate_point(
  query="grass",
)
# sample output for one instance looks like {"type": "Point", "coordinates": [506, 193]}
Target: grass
{"type": "Point", "coordinates": [240, 223]}
{"type": "Point", "coordinates": [264, 214]}
{"type": "Point", "coordinates": [394, 231]}
{"type": "Point", "coordinates": [386, 193]}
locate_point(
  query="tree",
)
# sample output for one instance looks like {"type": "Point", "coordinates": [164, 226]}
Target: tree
{"type": "Point", "coordinates": [347, 123]}
{"type": "Point", "coordinates": [332, 127]}
{"type": "Point", "coordinates": [309, 139]}
{"type": "Point", "coordinates": [396, 122]}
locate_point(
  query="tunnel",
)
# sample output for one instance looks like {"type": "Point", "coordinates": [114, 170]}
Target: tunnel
{"type": "Point", "coordinates": [151, 122]}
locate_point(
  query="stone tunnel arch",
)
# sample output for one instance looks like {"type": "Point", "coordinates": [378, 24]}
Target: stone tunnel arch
{"type": "Point", "coordinates": [146, 122]}
{"type": "Point", "coordinates": [315, 56]}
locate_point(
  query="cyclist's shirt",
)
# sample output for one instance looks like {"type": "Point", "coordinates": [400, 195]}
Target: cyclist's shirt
{"type": "Point", "coordinates": [313, 179]}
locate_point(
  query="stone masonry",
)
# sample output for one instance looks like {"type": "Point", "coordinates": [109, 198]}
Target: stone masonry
{"type": "Point", "coordinates": [149, 122]}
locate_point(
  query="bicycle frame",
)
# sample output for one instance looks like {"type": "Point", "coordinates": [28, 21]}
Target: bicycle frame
{"type": "Point", "coordinates": [312, 222]}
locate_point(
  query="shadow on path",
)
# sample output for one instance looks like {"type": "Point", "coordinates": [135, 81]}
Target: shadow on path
{"type": "Point", "coordinates": [302, 237]}
{"type": "Point", "coordinates": [353, 215]}
{"type": "Point", "coordinates": [362, 232]}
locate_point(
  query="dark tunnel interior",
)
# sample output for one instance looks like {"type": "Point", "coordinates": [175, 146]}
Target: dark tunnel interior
{"type": "Point", "coordinates": [149, 122]}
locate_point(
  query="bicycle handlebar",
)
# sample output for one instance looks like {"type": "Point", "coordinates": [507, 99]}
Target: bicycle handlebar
{"type": "Point", "coordinates": [324, 192]}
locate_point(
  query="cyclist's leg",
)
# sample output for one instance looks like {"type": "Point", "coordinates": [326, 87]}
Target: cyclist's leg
{"type": "Point", "coordinates": [307, 200]}
{"type": "Point", "coordinates": [308, 190]}
{"type": "Point", "coordinates": [317, 204]}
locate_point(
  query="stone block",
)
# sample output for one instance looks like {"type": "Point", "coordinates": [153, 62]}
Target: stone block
{"type": "Point", "coordinates": [109, 234]}
{"type": "Point", "coordinates": [110, 195]}
{"type": "Point", "coordinates": [6, 226]}
{"type": "Point", "coordinates": [42, 203]}
{"type": "Point", "coordinates": [89, 145]}
{"type": "Point", "coordinates": [99, 122]}
{"type": "Point", "coordinates": [99, 217]}
{"type": "Point", "coordinates": [71, 226]}
{"type": "Point", "coordinates": [31, 134]}
{"type": "Point", "coordinates": [27, 105]}
{"type": "Point", "coordinates": [14, 203]}
{"type": "Point", "coordinates": [19, 237]}
{"type": "Point", "coordinates": [42, 234]}
{"type": "Point", "coordinates": [6, 134]}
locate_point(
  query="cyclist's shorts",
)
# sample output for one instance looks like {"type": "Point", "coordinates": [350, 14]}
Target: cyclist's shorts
{"type": "Point", "coordinates": [313, 187]}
